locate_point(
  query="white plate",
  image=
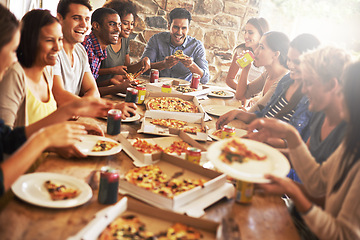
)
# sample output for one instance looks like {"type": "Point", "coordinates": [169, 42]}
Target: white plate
{"type": "Point", "coordinates": [30, 188]}
{"type": "Point", "coordinates": [131, 119]}
{"type": "Point", "coordinates": [252, 170]}
{"type": "Point", "coordinates": [89, 141]}
{"type": "Point", "coordinates": [227, 94]}
{"type": "Point", "coordinates": [238, 133]}
{"type": "Point", "coordinates": [218, 110]}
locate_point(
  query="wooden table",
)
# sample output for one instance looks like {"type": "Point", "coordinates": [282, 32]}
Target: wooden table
{"type": "Point", "coordinates": [265, 218]}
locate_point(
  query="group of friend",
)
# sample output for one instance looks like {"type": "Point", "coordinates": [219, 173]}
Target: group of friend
{"type": "Point", "coordinates": [298, 95]}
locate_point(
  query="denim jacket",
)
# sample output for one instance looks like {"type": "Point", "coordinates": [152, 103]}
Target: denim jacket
{"type": "Point", "coordinates": [301, 117]}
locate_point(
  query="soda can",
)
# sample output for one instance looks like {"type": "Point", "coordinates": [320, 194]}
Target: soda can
{"type": "Point", "coordinates": [193, 155]}
{"type": "Point", "coordinates": [154, 76]}
{"type": "Point", "coordinates": [246, 59]}
{"type": "Point", "coordinates": [244, 191]}
{"type": "Point", "coordinates": [113, 122]}
{"type": "Point", "coordinates": [227, 132]}
{"type": "Point", "coordinates": [195, 81]}
{"type": "Point", "coordinates": [131, 95]}
{"type": "Point", "coordinates": [141, 94]}
{"type": "Point", "coordinates": [109, 185]}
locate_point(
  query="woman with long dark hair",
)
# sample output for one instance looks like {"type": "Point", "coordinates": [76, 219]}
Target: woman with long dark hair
{"type": "Point", "coordinates": [337, 179]}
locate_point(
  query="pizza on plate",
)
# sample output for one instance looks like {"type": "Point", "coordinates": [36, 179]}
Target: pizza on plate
{"type": "Point", "coordinates": [130, 227]}
{"type": "Point", "coordinates": [172, 104]}
{"type": "Point", "coordinates": [172, 123]}
{"type": "Point", "coordinates": [179, 54]}
{"type": "Point", "coordinates": [101, 146]}
{"type": "Point", "coordinates": [217, 133]}
{"type": "Point", "coordinates": [235, 151]}
{"type": "Point", "coordinates": [220, 93]}
{"type": "Point", "coordinates": [60, 191]}
{"type": "Point", "coordinates": [153, 179]}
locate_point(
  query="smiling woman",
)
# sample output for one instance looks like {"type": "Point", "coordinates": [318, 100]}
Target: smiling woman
{"type": "Point", "coordinates": [26, 95]}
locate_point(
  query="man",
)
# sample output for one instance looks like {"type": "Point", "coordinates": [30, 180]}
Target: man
{"type": "Point", "coordinates": [105, 26]}
{"type": "Point", "coordinates": [162, 46]}
{"type": "Point", "coordinates": [72, 73]}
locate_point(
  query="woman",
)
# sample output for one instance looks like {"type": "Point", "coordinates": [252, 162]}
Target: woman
{"type": "Point", "coordinates": [271, 53]}
{"type": "Point", "coordinates": [114, 67]}
{"type": "Point", "coordinates": [59, 135]}
{"type": "Point", "coordinates": [26, 91]}
{"type": "Point", "coordinates": [287, 103]}
{"type": "Point", "coordinates": [253, 31]}
{"type": "Point", "coordinates": [337, 179]}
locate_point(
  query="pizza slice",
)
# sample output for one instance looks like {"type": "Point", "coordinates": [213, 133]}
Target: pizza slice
{"type": "Point", "coordinates": [193, 129]}
{"type": "Point", "coordinates": [180, 54]}
{"type": "Point", "coordinates": [181, 231]}
{"type": "Point", "coordinates": [172, 123]}
{"type": "Point", "coordinates": [177, 147]}
{"type": "Point", "coordinates": [101, 146]}
{"type": "Point", "coordinates": [60, 191]}
{"type": "Point", "coordinates": [145, 147]}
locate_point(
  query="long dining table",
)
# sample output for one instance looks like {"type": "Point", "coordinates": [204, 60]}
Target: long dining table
{"type": "Point", "coordinates": [266, 217]}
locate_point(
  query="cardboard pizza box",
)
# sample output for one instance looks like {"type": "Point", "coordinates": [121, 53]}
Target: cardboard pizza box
{"type": "Point", "coordinates": [155, 220]}
{"type": "Point", "coordinates": [142, 159]}
{"type": "Point", "coordinates": [156, 87]}
{"type": "Point", "coordinates": [191, 119]}
{"type": "Point", "coordinates": [192, 202]}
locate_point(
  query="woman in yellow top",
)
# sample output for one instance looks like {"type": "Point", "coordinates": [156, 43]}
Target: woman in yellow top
{"type": "Point", "coordinates": [26, 90]}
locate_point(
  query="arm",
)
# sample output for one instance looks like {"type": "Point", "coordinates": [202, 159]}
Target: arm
{"type": "Point", "coordinates": [198, 63]}
{"type": "Point", "coordinates": [262, 101]}
{"type": "Point", "coordinates": [118, 70]}
{"type": "Point", "coordinates": [233, 70]}
{"type": "Point", "coordinates": [60, 94]}
{"type": "Point", "coordinates": [60, 135]}
{"type": "Point", "coordinates": [89, 87]}
{"type": "Point", "coordinates": [246, 117]}
{"type": "Point", "coordinates": [113, 89]}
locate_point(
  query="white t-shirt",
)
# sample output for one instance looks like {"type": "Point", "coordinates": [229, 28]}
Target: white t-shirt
{"type": "Point", "coordinates": [72, 76]}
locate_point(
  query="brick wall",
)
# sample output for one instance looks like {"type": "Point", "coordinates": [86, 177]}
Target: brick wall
{"type": "Point", "coordinates": [217, 23]}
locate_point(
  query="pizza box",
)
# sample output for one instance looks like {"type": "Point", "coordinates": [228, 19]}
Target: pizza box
{"type": "Point", "coordinates": [142, 159]}
{"type": "Point", "coordinates": [155, 220]}
{"type": "Point", "coordinates": [192, 202]}
{"type": "Point", "coordinates": [156, 87]}
{"type": "Point", "coordinates": [192, 120]}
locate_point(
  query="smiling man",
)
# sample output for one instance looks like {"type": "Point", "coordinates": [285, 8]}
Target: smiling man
{"type": "Point", "coordinates": [72, 74]}
{"type": "Point", "coordinates": [162, 46]}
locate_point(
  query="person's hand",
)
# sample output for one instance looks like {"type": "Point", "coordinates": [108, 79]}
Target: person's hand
{"type": "Point", "coordinates": [146, 65]}
{"type": "Point", "coordinates": [93, 129]}
{"type": "Point", "coordinates": [63, 134]}
{"type": "Point", "coordinates": [121, 88]}
{"type": "Point", "coordinates": [226, 118]}
{"type": "Point", "coordinates": [240, 55]}
{"type": "Point", "coordinates": [279, 186]}
{"type": "Point", "coordinates": [267, 128]}
{"type": "Point", "coordinates": [170, 61]}
{"type": "Point", "coordinates": [127, 108]}
{"type": "Point", "coordinates": [120, 70]}
{"type": "Point", "coordinates": [187, 61]}
{"type": "Point", "coordinates": [117, 79]}
{"type": "Point", "coordinates": [88, 107]}
{"type": "Point", "coordinates": [69, 152]}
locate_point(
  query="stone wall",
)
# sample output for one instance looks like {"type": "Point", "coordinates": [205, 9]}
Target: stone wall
{"type": "Point", "coordinates": [217, 23]}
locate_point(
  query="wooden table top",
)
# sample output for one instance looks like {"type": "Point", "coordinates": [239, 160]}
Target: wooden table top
{"type": "Point", "coordinates": [265, 218]}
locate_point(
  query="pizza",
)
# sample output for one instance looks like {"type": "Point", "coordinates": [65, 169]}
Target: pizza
{"type": "Point", "coordinates": [153, 179]}
{"type": "Point", "coordinates": [185, 89]}
{"type": "Point", "coordinates": [180, 54]}
{"type": "Point", "coordinates": [145, 147]}
{"type": "Point", "coordinates": [177, 147]}
{"type": "Point", "coordinates": [181, 231]}
{"type": "Point", "coordinates": [60, 191]}
{"type": "Point", "coordinates": [172, 104]}
{"type": "Point", "coordinates": [172, 123]}
{"type": "Point", "coordinates": [193, 129]}
{"type": "Point", "coordinates": [126, 228]}
{"type": "Point", "coordinates": [130, 227]}
{"type": "Point", "coordinates": [220, 93]}
{"type": "Point", "coordinates": [217, 133]}
{"type": "Point", "coordinates": [235, 151]}
{"type": "Point", "coordinates": [101, 146]}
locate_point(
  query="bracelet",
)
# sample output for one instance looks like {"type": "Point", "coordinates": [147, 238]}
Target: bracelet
{"type": "Point", "coordinates": [285, 142]}
{"type": "Point", "coordinates": [307, 211]}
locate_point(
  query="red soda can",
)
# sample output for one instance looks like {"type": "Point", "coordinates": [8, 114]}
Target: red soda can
{"type": "Point", "coordinates": [109, 184]}
{"type": "Point", "coordinates": [154, 76]}
{"type": "Point", "coordinates": [113, 122]}
{"type": "Point", "coordinates": [195, 81]}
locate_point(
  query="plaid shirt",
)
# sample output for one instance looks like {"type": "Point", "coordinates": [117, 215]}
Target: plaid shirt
{"type": "Point", "coordinates": [94, 52]}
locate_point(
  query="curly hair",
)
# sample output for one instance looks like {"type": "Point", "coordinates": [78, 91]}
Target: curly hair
{"type": "Point", "coordinates": [122, 7]}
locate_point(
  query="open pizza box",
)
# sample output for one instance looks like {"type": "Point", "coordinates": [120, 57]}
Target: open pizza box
{"type": "Point", "coordinates": [190, 119]}
{"type": "Point", "coordinates": [192, 202]}
{"type": "Point", "coordinates": [175, 85]}
{"type": "Point", "coordinates": [155, 220]}
{"type": "Point", "coordinates": [143, 159]}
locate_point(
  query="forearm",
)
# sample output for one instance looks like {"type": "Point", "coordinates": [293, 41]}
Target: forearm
{"type": "Point", "coordinates": [230, 77]}
{"type": "Point", "coordinates": [64, 97]}
{"type": "Point", "coordinates": [241, 87]}
{"type": "Point", "coordinates": [158, 65]}
{"type": "Point", "coordinates": [194, 68]}
{"type": "Point", "coordinates": [110, 71]}
{"type": "Point", "coordinates": [23, 158]}
{"type": "Point", "coordinates": [246, 117]}
{"type": "Point", "coordinates": [302, 204]}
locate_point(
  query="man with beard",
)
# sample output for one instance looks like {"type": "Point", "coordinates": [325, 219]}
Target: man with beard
{"type": "Point", "coordinates": [105, 26]}
{"type": "Point", "coordinates": [162, 46]}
